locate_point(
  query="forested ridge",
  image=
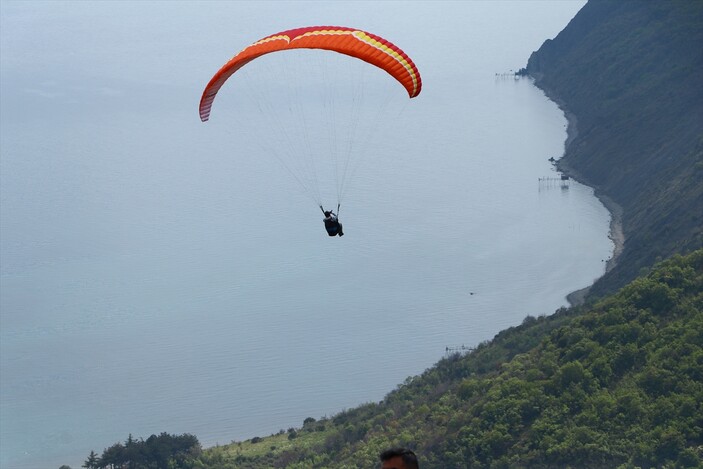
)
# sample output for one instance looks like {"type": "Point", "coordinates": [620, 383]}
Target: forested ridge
{"type": "Point", "coordinates": [616, 382]}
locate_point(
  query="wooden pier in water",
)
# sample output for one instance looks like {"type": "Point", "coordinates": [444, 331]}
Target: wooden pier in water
{"type": "Point", "coordinates": [461, 350]}
{"type": "Point", "coordinates": [552, 181]}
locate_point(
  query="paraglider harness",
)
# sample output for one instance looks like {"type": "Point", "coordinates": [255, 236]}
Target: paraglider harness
{"type": "Point", "coordinates": [332, 225]}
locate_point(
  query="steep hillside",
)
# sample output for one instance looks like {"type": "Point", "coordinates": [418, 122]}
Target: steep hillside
{"type": "Point", "coordinates": [632, 72]}
{"type": "Point", "coordinates": [619, 383]}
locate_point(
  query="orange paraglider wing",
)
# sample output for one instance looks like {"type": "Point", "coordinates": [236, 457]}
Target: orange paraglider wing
{"type": "Point", "coordinates": [353, 42]}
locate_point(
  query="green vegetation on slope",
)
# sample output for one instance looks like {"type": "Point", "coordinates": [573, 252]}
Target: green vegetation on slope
{"type": "Point", "coordinates": [156, 452]}
{"type": "Point", "coordinates": [631, 71]}
{"type": "Point", "coordinates": [617, 384]}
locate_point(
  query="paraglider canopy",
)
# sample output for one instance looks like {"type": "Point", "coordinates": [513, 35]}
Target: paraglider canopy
{"type": "Point", "coordinates": [349, 41]}
{"type": "Point", "coordinates": [319, 111]}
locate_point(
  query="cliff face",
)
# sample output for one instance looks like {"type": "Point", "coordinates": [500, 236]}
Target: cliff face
{"type": "Point", "coordinates": [631, 71]}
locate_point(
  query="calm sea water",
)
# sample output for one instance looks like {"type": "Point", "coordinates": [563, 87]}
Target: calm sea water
{"type": "Point", "coordinates": [159, 274]}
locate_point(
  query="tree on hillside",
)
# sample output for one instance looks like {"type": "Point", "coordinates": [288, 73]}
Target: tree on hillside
{"type": "Point", "coordinates": [160, 452]}
{"type": "Point", "coordinates": [92, 462]}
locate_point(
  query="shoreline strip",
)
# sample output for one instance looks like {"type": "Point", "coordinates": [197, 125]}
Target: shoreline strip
{"type": "Point", "coordinates": [616, 233]}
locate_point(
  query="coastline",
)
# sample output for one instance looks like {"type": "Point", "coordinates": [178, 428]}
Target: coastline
{"type": "Point", "coordinates": [616, 233]}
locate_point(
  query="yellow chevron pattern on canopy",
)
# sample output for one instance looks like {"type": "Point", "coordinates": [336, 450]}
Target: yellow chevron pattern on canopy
{"type": "Point", "coordinates": [352, 42]}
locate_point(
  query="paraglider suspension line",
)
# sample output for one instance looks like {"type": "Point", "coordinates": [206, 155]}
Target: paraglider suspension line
{"type": "Point", "coordinates": [323, 210]}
